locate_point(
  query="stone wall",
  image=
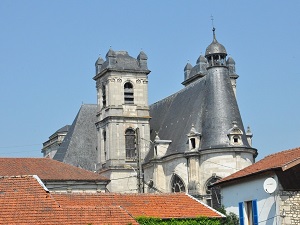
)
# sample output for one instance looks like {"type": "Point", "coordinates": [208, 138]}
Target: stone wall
{"type": "Point", "coordinates": [290, 207]}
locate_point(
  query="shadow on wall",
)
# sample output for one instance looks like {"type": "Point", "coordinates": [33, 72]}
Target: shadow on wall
{"type": "Point", "coordinates": [271, 216]}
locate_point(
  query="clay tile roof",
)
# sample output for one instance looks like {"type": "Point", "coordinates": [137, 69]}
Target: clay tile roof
{"type": "Point", "coordinates": [24, 201]}
{"type": "Point", "coordinates": [281, 160]}
{"type": "Point", "coordinates": [47, 169]}
{"type": "Point", "coordinates": [174, 205]}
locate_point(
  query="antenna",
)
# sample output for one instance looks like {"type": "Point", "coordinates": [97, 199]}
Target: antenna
{"type": "Point", "coordinates": [270, 185]}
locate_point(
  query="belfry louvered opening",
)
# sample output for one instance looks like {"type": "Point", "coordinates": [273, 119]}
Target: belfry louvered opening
{"type": "Point", "coordinates": [128, 93]}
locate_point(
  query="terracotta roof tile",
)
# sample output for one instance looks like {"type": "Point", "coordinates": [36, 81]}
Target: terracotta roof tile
{"type": "Point", "coordinates": [281, 160]}
{"type": "Point", "coordinates": [24, 201]}
{"type": "Point", "coordinates": [47, 169]}
{"type": "Point", "coordinates": [174, 205]}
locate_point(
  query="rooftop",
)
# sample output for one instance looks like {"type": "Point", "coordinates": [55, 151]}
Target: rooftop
{"type": "Point", "coordinates": [172, 205]}
{"type": "Point", "coordinates": [47, 169]}
{"type": "Point", "coordinates": [24, 201]}
{"type": "Point", "coordinates": [279, 161]}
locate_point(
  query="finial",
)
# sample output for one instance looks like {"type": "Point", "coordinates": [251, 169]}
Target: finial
{"type": "Point", "coordinates": [212, 21]}
{"type": "Point", "coordinates": [213, 27]}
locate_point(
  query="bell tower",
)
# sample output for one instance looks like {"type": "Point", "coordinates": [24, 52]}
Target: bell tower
{"type": "Point", "coordinates": [122, 119]}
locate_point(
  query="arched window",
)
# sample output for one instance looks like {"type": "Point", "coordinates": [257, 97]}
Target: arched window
{"type": "Point", "coordinates": [130, 144]}
{"type": "Point", "coordinates": [214, 192]}
{"type": "Point", "coordinates": [177, 184]}
{"type": "Point", "coordinates": [104, 143]}
{"type": "Point", "coordinates": [128, 93]}
{"type": "Point", "coordinates": [103, 96]}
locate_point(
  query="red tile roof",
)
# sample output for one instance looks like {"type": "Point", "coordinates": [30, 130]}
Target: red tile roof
{"type": "Point", "coordinates": [281, 160]}
{"type": "Point", "coordinates": [173, 205]}
{"type": "Point", "coordinates": [24, 201]}
{"type": "Point", "coordinates": [47, 169]}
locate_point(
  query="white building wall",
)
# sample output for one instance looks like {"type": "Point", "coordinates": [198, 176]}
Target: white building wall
{"type": "Point", "coordinates": [267, 204]}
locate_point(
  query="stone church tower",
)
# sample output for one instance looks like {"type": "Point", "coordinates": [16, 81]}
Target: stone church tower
{"type": "Point", "coordinates": [122, 118]}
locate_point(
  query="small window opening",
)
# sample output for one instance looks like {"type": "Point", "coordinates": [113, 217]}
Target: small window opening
{"type": "Point", "coordinates": [193, 143]}
{"type": "Point", "coordinates": [128, 93]}
{"type": "Point", "coordinates": [235, 139]}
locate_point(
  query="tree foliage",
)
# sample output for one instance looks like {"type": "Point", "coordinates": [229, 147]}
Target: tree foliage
{"type": "Point", "coordinates": [188, 221]}
{"type": "Point", "coordinates": [231, 218]}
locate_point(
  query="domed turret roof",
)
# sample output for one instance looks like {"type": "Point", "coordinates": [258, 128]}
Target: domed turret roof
{"type": "Point", "coordinates": [201, 59]}
{"type": "Point", "coordinates": [142, 56]}
{"type": "Point", "coordinates": [230, 60]}
{"type": "Point", "coordinates": [188, 66]}
{"type": "Point", "coordinates": [215, 47]}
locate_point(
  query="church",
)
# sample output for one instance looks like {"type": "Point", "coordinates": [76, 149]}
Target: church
{"type": "Point", "coordinates": [182, 143]}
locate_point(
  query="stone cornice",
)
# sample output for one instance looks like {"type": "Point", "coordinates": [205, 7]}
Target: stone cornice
{"type": "Point", "coordinates": [120, 71]}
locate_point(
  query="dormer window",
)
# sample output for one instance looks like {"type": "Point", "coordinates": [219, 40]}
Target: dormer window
{"type": "Point", "coordinates": [128, 93]}
{"type": "Point", "coordinates": [235, 135]}
{"type": "Point", "coordinates": [194, 139]}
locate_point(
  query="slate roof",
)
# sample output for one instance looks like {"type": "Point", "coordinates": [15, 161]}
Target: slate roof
{"type": "Point", "coordinates": [79, 146]}
{"type": "Point", "coordinates": [165, 206]}
{"type": "Point", "coordinates": [209, 104]}
{"type": "Point", "coordinates": [63, 129]}
{"type": "Point", "coordinates": [278, 161]}
{"type": "Point", "coordinates": [124, 61]}
{"type": "Point", "coordinates": [24, 201]}
{"type": "Point", "coordinates": [47, 169]}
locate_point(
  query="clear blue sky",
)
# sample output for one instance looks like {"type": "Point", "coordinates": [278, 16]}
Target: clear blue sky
{"type": "Point", "coordinates": [48, 50]}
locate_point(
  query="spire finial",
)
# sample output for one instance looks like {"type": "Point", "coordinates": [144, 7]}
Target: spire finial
{"type": "Point", "coordinates": [212, 21]}
{"type": "Point", "coordinates": [213, 27]}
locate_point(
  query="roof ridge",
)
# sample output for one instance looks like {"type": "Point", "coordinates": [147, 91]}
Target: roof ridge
{"type": "Point", "coordinates": [281, 152]}
{"type": "Point", "coordinates": [17, 176]}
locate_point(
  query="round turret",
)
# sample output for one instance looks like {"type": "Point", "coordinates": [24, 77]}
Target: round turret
{"type": "Point", "coordinates": [110, 53]}
{"type": "Point", "coordinates": [201, 59]}
{"type": "Point", "coordinates": [230, 61]}
{"type": "Point", "coordinates": [142, 56]}
{"type": "Point", "coordinates": [215, 53]}
{"type": "Point", "coordinates": [188, 66]}
{"type": "Point", "coordinates": [215, 47]}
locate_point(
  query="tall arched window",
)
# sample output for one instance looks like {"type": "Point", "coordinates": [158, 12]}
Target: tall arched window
{"type": "Point", "coordinates": [104, 144]}
{"type": "Point", "coordinates": [103, 96]}
{"type": "Point", "coordinates": [214, 192]}
{"type": "Point", "coordinates": [177, 184]}
{"type": "Point", "coordinates": [130, 144]}
{"type": "Point", "coordinates": [128, 93]}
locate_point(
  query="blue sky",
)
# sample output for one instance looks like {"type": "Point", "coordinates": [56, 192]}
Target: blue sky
{"type": "Point", "coordinates": [48, 50]}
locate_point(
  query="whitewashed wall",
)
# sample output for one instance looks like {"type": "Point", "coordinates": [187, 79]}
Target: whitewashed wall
{"type": "Point", "coordinates": [267, 204]}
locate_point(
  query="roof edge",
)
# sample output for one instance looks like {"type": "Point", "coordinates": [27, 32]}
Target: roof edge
{"type": "Point", "coordinates": [216, 211]}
